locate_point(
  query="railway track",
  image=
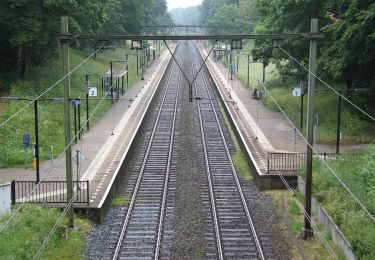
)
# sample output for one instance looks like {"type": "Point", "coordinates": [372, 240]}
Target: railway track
{"type": "Point", "coordinates": [142, 228]}
{"type": "Point", "coordinates": [233, 229]}
{"type": "Point", "coordinates": [147, 227]}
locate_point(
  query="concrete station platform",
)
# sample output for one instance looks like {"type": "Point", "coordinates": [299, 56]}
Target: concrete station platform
{"type": "Point", "coordinates": [105, 145]}
{"type": "Point", "coordinates": [263, 132]}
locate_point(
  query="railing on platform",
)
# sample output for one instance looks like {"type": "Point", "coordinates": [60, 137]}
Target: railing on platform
{"type": "Point", "coordinates": [290, 162]}
{"type": "Point", "coordinates": [48, 192]}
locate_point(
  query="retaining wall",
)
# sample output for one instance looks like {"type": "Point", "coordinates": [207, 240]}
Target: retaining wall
{"type": "Point", "coordinates": [323, 217]}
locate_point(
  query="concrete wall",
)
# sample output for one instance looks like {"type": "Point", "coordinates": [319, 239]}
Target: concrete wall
{"type": "Point", "coordinates": [4, 198]}
{"type": "Point", "coordinates": [328, 223]}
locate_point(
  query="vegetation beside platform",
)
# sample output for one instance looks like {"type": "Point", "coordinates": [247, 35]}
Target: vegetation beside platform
{"type": "Point", "coordinates": [27, 232]}
{"type": "Point", "coordinates": [356, 171]}
{"type": "Point", "coordinates": [291, 223]}
{"type": "Point", "coordinates": [51, 113]}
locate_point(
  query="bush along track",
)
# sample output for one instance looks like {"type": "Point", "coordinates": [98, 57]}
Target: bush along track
{"type": "Point", "coordinates": [357, 172]}
{"type": "Point", "coordinates": [23, 238]}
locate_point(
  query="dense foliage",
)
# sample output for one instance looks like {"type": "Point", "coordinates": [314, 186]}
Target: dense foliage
{"type": "Point", "coordinates": [357, 173]}
{"type": "Point", "coordinates": [28, 28]}
{"type": "Point", "coordinates": [345, 55]}
{"type": "Point", "coordinates": [229, 16]}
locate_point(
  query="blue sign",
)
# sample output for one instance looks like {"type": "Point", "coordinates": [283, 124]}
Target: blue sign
{"type": "Point", "coordinates": [76, 102]}
{"type": "Point", "coordinates": [26, 140]}
{"type": "Point", "coordinates": [234, 68]}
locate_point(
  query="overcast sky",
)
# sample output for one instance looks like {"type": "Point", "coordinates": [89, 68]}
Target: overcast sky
{"type": "Point", "coordinates": [182, 3]}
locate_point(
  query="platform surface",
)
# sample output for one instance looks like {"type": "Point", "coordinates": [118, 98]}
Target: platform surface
{"type": "Point", "coordinates": [105, 144]}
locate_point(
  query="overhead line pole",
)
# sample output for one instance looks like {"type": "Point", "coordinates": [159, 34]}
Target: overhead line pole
{"type": "Point", "coordinates": [338, 131]}
{"type": "Point", "coordinates": [37, 167]}
{"type": "Point", "coordinates": [68, 152]}
{"type": "Point", "coordinates": [307, 230]}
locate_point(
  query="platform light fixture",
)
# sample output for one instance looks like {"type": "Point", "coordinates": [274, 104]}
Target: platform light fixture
{"type": "Point", "coordinates": [236, 44]}
{"type": "Point", "coordinates": [137, 45]}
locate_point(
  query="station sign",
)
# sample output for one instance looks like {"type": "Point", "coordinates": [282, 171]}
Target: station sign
{"type": "Point", "coordinates": [296, 92]}
{"type": "Point", "coordinates": [93, 92]}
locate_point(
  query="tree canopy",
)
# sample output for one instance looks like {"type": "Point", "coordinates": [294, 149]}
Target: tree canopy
{"type": "Point", "coordinates": [346, 52]}
{"type": "Point", "coordinates": [28, 28]}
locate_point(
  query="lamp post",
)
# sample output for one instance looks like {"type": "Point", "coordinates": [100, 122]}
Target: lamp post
{"type": "Point", "coordinates": [36, 128]}
{"type": "Point", "coordinates": [230, 65]}
{"type": "Point", "coordinates": [143, 63]}
{"type": "Point", "coordinates": [137, 61]}
{"type": "Point", "coordinates": [248, 70]}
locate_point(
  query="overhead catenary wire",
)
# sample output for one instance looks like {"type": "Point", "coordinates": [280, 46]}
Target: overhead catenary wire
{"type": "Point", "coordinates": [49, 89]}
{"type": "Point", "coordinates": [327, 85]}
{"type": "Point", "coordinates": [58, 222]}
{"type": "Point", "coordinates": [48, 172]}
{"type": "Point", "coordinates": [321, 159]}
{"type": "Point", "coordinates": [62, 215]}
{"type": "Point", "coordinates": [299, 204]}
{"type": "Point", "coordinates": [321, 237]}
{"type": "Point", "coordinates": [52, 231]}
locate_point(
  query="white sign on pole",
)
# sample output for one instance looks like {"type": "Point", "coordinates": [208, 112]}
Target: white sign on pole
{"type": "Point", "coordinates": [78, 158]}
{"type": "Point", "coordinates": [296, 92]}
{"type": "Point", "coordinates": [93, 92]}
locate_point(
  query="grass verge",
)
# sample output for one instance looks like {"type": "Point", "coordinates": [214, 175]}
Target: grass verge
{"type": "Point", "coordinates": [23, 238]}
{"type": "Point", "coordinates": [357, 172]}
{"type": "Point", "coordinates": [239, 159]}
{"type": "Point", "coordinates": [121, 200]}
{"type": "Point", "coordinates": [291, 223]}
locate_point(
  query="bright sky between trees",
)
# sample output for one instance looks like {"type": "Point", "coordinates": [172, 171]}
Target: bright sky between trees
{"type": "Point", "coordinates": [182, 3]}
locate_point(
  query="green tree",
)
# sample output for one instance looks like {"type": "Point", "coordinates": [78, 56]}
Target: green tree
{"type": "Point", "coordinates": [226, 20]}
{"type": "Point", "coordinates": [287, 16]}
{"type": "Point", "coordinates": [30, 28]}
{"type": "Point", "coordinates": [350, 45]}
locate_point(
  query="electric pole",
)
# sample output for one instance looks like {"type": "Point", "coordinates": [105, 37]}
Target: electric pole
{"type": "Point", "coordinates": [68, 152]}
{"type": "Point", "coordinates": [307, 231]}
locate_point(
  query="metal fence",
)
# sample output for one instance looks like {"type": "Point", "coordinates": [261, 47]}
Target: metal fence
{"type": "Point", "coordinates": [48, 192]}
{"type": "Point", "coordinates": [290, 162]}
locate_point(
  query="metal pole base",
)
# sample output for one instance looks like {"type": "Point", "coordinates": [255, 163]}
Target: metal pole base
{"type": "Point", "coordinates": [307, 233]}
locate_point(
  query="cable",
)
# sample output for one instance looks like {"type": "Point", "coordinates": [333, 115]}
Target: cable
{"type": "Point", "coordinates": [324, 162]}
{"type": "Point", "coordinates": [299, 204]}
{"type": "Point", "coordinates": [57, 159]}
{"type": "Point", "coordinates": [48, 238]}
{"type": "Point", "coordinates": [321, 237]}
{"type": "Point", "coordinates": [326, 84]}
{"type": "Point", "coordinates": [51, 233]}
{"type": "Point", "coordinates": [49, 89]}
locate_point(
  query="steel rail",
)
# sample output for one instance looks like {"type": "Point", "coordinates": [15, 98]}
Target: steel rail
{"type": "Point", "coordinates": [166, 181]}
{"type": "Point", "coordinates": [139, 179]}
{"type": "Point", "coordinates": [235, 175]}
{"type": "Point", "coordinates": [209, 178]}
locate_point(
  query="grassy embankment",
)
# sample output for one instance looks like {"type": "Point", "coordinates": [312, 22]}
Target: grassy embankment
{"type": "Point", "coordinates": [51, 114]}
{"type": "Point", "coordinates": [354, 128]}
{"type": "Point", "coordinates": [291, 224]}
{"type": "Point", "coordinates": [26, 233]}
{"type": "Point", "coordinates": [357, 172]}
